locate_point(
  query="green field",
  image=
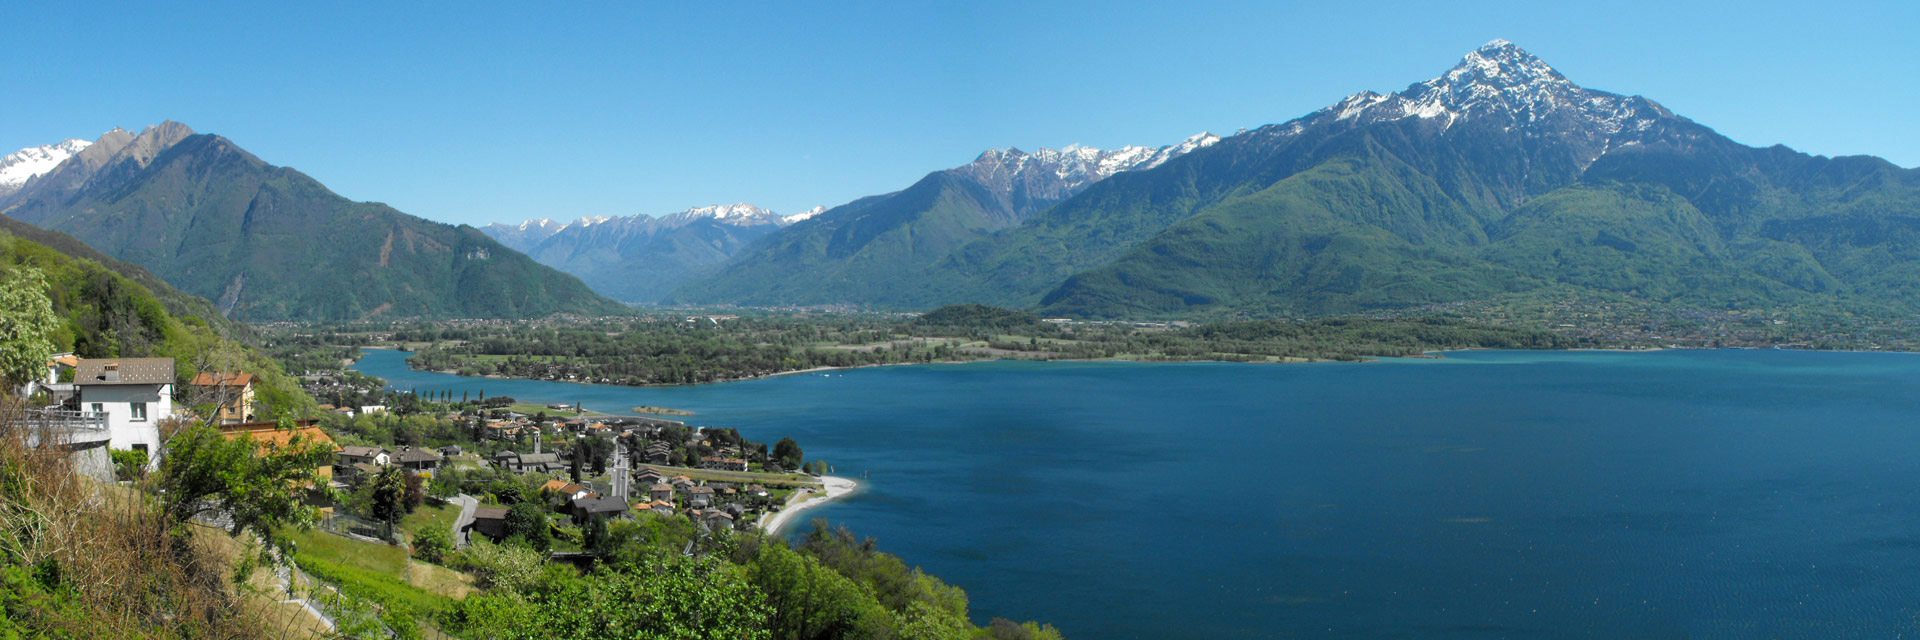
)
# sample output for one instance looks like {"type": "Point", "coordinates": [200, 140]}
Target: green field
{"type": "Point", "coordinates": [736, 476]}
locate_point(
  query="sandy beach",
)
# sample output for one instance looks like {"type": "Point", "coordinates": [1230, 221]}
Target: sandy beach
{"type": "Point", "coordinates": [836, 487]}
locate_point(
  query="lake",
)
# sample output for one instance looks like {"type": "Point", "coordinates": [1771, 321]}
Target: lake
{"type": "Point", "coordinates": [1673, 494]}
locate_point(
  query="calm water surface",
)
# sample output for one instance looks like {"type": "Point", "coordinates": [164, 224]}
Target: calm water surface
{"type": "Point", "coordinates": [1678, 494]}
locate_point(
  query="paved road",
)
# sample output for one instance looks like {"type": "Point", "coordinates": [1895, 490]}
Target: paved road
{"type": "Point", "coordinates": [467, 505]}
{"type": "Point", "coordinates": [621, 475]}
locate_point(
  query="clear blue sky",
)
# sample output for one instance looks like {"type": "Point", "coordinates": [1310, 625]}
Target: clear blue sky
{"type": "Point", "coordinates": [473, 113]}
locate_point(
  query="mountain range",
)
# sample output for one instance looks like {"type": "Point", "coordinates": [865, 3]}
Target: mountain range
{"type": "Point", "coordinates": [644, 259]}
{"type": "Point", "coordinates": [269, 243]}
{"type": "Point", "coordinates": [640, 258]}
{"type": "Point", "coordinates": [1499, 176]}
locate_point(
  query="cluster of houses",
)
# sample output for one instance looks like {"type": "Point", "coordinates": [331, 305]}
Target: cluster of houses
{"type": "Point", "coordinates": [358, 462]}
{"type": "Point", "coordinates": [119, 403]}
{"type": "Point", "coordinates": [512, 426]}
{"type": "Point", "coordinates": [716, 506]}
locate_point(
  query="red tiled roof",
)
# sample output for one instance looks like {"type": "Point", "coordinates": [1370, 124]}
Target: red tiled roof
{"type": "Point", "coordinates": [222, 378]}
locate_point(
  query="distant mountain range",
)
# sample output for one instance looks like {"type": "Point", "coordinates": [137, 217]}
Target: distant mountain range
{"type": "Point", "coordinates": [17, 167]}
{"type": "Point", "coordinates": [644, 259]}
{"type": "Point", "coordinates": [1499, 176]}
{"type": "Point", "coordinates": [640, 258]}
{"type": "Point", "coordinates": [269, 243]}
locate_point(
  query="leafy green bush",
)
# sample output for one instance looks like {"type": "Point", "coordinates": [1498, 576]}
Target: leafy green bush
{"type": "Point", "coordinates": [433, 544]}
{"type": "Point", "coordinates": [129, 464]}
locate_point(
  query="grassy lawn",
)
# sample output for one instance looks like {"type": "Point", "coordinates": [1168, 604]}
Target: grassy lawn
{"type": "Point", "coordinates": [736, 476]}
{"type": "Point", "coordinates": [437, 579]}
{"type": "Point", "coordinates": [535, 408]}
{"type": "Point", "coordinates": [384, 572]}
{"type": "Point", "coordinates": [347, 552]}
{"type": "Point", "coordinates": [427, 517]}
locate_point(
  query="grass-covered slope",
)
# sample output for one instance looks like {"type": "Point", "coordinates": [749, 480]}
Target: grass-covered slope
{"type": "Point", "coordinates": [868, 251]}
{"type": "Point", "coordinates": [270, 243]}
{"type": "Point", "coordinates": [104, 314]}
{"type": "Point", "coordinates": [1710, 224]}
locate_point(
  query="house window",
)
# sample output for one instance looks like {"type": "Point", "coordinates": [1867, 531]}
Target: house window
{"type": "Point", "coordinates": [139, 411]}
{"type": "Point", "coordinates": [99, 407]}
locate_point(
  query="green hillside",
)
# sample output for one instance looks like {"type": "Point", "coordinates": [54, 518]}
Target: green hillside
{"type": "Point", "coordinates": [870, 250]}
{"type": "Point", "coordinates": [104, 314]}
{"type": "Point", "coordinates": [269, 243]}
{"type": "Point", "coordinates": [1476, 185]}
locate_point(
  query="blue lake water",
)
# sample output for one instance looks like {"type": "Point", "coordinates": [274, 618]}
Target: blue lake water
{"type": "Point", "coordinates": [1675, 494]}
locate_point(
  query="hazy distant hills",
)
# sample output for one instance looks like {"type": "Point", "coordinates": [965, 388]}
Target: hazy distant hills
{"type": "Point", "coordinates": [269, 243]}
{"type": "Point", "coordinates": [640, 258]}
{"type": "Point", "coordinates": [1500, 175]}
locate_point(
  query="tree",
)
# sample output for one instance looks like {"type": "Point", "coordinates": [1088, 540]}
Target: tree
{"type": "Point", "coordinates": [810, 600]}
{"type": "Point", "coordinates": [576, 460]}
{"type": "Point", "coordinates": [788, 453]}
{"type": "Point", "coordinates": [416, 492]}
{"type": "Point", "coordinates": [27, 323]}
{"type": "Point", "coordinates": [432, 544]}
{"type": "Point", "coordinates": [258, 487]}
{"type": "Point", "coordinates": [681, 598]}
{"type": "Point", "coordinates": [529, 521]}
{"type": "Point", "coordinates": [595, 538]}
{"type": "Point", "coordinates": [387, 495]}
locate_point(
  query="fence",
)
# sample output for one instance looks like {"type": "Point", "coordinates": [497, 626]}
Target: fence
{"type": "Point", "coordinates": [355, 527]}
{"type": "Point", "coordinates": [58, 426]}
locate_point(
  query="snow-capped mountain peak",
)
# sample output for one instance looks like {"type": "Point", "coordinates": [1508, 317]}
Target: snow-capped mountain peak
{"type": "Point", "coordinates": [533, 231]}
{"type": "Point", "coordinates": [796, 217]}
{"type": "Point", "coordinates": [18, 167]}
{"type": "Point", "coordinates": [740, 212]}
{"type": "Point", "coordinates": [1073, 166]}
{"type": "Point", "coordinates": [1502, 86]}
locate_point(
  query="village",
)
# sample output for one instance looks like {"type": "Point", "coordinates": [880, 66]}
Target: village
{"type": "Point", "coordinates": [114, 415]}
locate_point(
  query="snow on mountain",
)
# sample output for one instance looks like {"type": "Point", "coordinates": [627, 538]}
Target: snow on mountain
{"type": "Point", "coordinates": [737, 214]}
{"type": "Point", "coordinates": [1068, 169]}
{"type": "Point", "coordinates": [18, 167]}
{"type": "Point", "coordinates": [1500, 86]}
{"type": "Point", "coordinates": [796, 217]}
{"type": "Point", "coordinates": [532, 232]}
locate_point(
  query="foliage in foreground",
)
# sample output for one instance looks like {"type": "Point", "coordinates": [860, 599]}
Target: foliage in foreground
{"type": "Point", "coordinates": [257, 489]}
{"type": "Point", "coordinates": [83, 560]}
{"type": "Point", "coordinates": [831, 586]}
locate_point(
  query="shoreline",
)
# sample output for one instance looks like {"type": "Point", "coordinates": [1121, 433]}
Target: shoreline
{"type": "Point", "coordinates": [1434, 354]}
{"type": "Point", "coordinates": [836, 487]}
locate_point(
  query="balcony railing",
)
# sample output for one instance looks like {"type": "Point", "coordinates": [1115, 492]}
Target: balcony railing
{"type": "Point", "coordinates": [59, 426]}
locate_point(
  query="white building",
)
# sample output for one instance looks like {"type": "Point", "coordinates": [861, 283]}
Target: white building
{"type": "Point", "coordinates": [134, 393]}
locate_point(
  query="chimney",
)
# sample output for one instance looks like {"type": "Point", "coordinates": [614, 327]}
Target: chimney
{"type": "Point", "coordinates": [110, 372]}
{"type": "Point", "coordinates": [536, 441]}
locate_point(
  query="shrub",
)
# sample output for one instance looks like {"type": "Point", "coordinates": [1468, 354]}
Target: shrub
{"type": "Point", "coordinates": [432, 544]}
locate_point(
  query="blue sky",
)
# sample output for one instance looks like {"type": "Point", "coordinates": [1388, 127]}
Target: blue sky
{"type": "Point", "coordinates": [474, 113]}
